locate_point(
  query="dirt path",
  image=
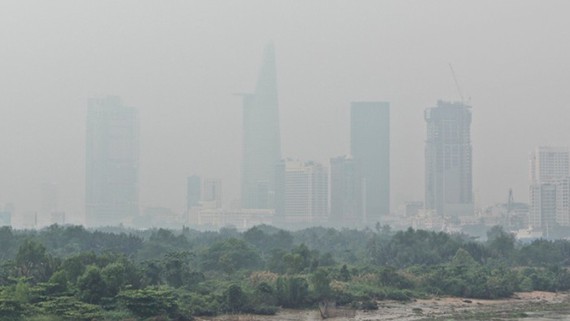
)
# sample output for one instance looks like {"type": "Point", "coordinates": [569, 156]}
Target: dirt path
{"type": "Point", "coordinates": [520, 305]}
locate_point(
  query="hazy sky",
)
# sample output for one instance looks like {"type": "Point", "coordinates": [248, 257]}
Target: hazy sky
{"type": "Point", "coordinates": [180, 61]}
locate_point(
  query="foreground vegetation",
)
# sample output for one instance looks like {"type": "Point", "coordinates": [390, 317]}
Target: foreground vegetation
{"type": "Point", "coordinates": [69, 273]}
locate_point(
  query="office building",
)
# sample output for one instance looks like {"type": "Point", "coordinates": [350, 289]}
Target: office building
{"type": "Point", "coordinates": [543, 206]}
{"type": "Point", "coordinates": [346, 199]}
{"type": "Point", "coordinates": [548, 163]}
{"type": "Point", "coordinates": [370, 147]}
{"type": "Point", "coordinates": [301, 195]}
{"type": "Point", "coordinates": [193, 191]}
{"type": "Point", "coordinates": [261, 137]}
{"type": "Point", "coordinates": [549, 189]}
{"type": "Point", "coordinates": [112, 162]}
{"type": "Point", "coordinates": [448, 160]}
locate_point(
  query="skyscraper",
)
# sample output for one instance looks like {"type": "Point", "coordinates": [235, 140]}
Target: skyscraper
{"type": "Point", "coordinates": [370, 147]}
{"type": "Point", "coordinates": [448, 159]}
{"type": "Point", "coordinates": [261, 137]}
{"type": "Point", "coordinates": [549, 189]}
{"type": "Point", "coordinates": [112, 162]}
{"type": "Point", "coordinates": [549, 163]}
{"type": "Point", "coordinates": [346, 197]}
{"type": "Point", "coordinates": [193, 191]}
{"type": "Point", "coordinates": [301, 192]}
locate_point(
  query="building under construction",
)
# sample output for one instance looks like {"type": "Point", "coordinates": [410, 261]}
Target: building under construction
{"type": "Point", "coordinates": [448, 160]}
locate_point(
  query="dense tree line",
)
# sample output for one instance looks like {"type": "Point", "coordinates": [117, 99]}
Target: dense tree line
{"type": "Point", "coordinates": [72, 273]}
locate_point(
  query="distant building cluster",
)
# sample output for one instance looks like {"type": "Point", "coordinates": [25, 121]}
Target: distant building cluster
{"type": "Point", "coordinates": [351, 191]}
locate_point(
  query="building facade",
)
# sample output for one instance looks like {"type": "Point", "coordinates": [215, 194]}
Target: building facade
{"type": "Point", "coordinates": [549, 189]}
{"type": "Point", "coordinates": [193, 191]}
{"type": "Point", "coordinates": [301, 193]}
{"type": "Point", "coordinates": [212, 193]}
{"type": "Point", "coordinates": [261, 137]}
{"type": "Point", "coordinates": [112, 162]}
{"type": "Point", "coordinates": [448, 160]}
{"type": "Point", "coordinates": [370, 147]}
{"type": "Point", "coordinates": [548, 163]}
{"type": "Point", "coordinates": [346, 198]}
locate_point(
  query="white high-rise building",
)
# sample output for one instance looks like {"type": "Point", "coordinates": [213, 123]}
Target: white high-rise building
{"type": "Point", "coordinates": [548, 164]}
{"type": "Point", "coordinates": [549, 189]}
{"type": "Point", "coordinates": [301, 192]}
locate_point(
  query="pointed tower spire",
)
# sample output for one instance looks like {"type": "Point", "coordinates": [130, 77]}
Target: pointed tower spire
{"type": "Point", "coordinates": [261, 137]}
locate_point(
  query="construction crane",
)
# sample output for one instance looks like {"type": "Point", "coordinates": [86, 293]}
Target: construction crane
{"type": "Point", "coordinates": [463, 102]}
{"type": "Point", "coordinates": [510, 208]}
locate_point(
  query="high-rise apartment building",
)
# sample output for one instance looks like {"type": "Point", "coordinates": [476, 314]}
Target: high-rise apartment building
{"type": "Point", "coordinates": [301, 192]}
{"type": "Point", "coordinates": [548, 163]}
{"type": "Point", "coordinates": [448, 159]}
{"type": "Point", "coordinates": [543, 207]}
{"type": "Point", "coordinates": [346, 198]}
{"type": "Point", "coordinates": [370, 147]}
{"type": "Point", "coordinates": [261, 137]}
{"type": "Point", "coordinates": [112, 162]}
{"type": "Point", "coordinates": [549, 189]}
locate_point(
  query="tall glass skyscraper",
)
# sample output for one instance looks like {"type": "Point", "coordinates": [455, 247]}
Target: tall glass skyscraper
{"type": "Point", "coordinates": [261, 137]}
{"type": "Point", "coordinates": [370, 147]}
{"type": "Point", "coordinates": [448, 159]}
{"type": "Point", "coordinates": [112, 162]}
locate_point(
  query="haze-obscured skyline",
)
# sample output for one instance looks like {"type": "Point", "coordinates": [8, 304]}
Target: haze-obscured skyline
{"type": "Point", "coordinates": [179, 63]}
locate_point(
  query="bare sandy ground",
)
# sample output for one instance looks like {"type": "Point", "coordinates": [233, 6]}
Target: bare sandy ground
{"type": "Point", "coordinates": [432, 309]}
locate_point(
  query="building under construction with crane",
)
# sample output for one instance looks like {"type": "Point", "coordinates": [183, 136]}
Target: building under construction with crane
{"type": "Point", "coordinates": [448, 160]}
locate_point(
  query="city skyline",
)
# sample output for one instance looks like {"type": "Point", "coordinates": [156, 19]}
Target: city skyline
{"type": "Point", "coordinates": [179, 65]}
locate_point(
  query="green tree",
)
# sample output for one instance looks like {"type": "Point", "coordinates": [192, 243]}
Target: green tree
{"type": "Point", "coordinates": [150, 302]}
{"type": "Point", "coordinates": [57, 284]}
{"type": "Point", "coordinates": [235, 298]}
{"type": "Point", "coordinates": [501, 242]}
{"type": "Point", "coordinates": [114, 278]}
{"type": "Point", "coordinates": [321, 284]}
{"type": "Point", "coordinates": [91, 285]}
{"type": "Point", "coordinates": [70, 309]}
{"type": "Point", "coordinates": [6, 243]}
{"type": "Point", "coordinates": [292, 291]}
{"type": "Point", "coordinates": [32, 261]}
{"type": "Point", "coordinates": [11, 309]}
{"type": "Point", "coordinates": [344, 274]}
{"type": "Point", "coordinates": [229, 256]}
